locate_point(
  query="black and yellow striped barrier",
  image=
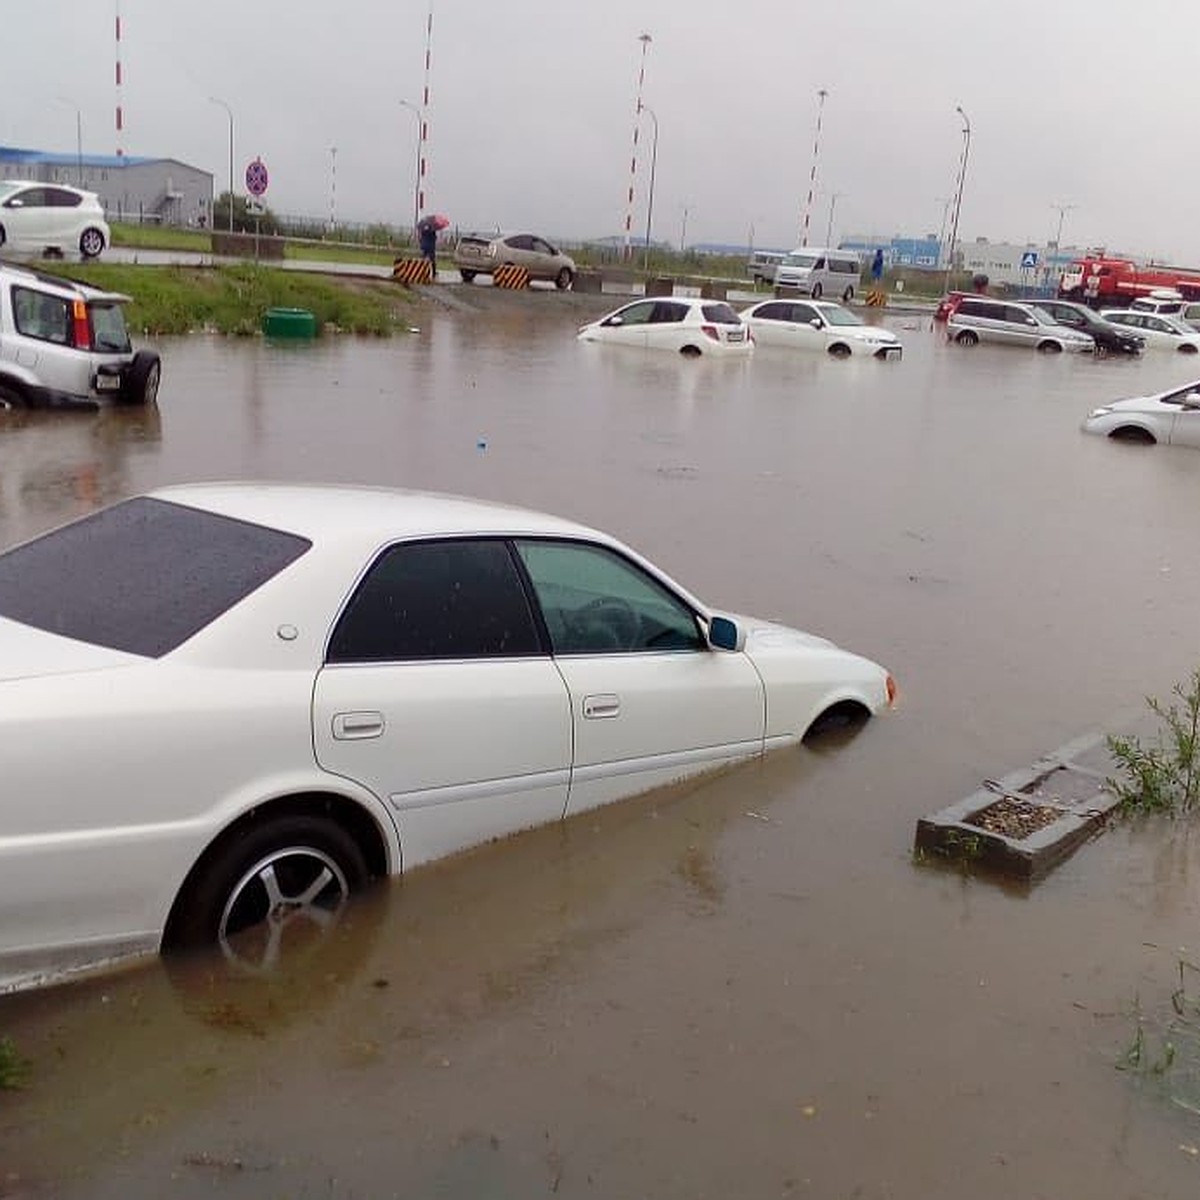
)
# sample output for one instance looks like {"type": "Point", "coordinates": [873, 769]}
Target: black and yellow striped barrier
{"type": "Point", "coordinates": [511, 276]}
{"type": "Point", "coordinates": [412, 270]}
{"type": "Point", "coordinates": [877, 298]}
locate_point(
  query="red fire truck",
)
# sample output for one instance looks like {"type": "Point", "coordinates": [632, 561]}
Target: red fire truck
{"type": "Point", "coordinates": [1099, 281]}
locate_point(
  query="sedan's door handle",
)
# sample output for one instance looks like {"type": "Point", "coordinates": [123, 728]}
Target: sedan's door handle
{"type": "Point", "coordinates": [601, 705]}
{"type": "Point", "coordinates": [350, 725]}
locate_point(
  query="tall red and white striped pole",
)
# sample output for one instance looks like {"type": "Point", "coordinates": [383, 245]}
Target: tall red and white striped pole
{"type": "Point", "coordinates": [423, 147]}
{"type": "Point", "coordinates": [120, 110]}
{"type": "Point", "coordinates": [645, 39]}
{"type": "Point", "coordinates": [812, 178]}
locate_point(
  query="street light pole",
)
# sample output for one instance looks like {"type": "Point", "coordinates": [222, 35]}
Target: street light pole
{"type": "Point", "coordinates": [228, 110]}
{"type": "Point", "coordinates": [683, 231]}
{"type": "Point", "coordinates": [833, 199]}
{"type": "Point", "coordinates": [958, 195]}
{"type": "Point", "coordinates": [1062, 209]}
{"type": "Point", "coordinates": [416, 112]}
{"type": "Point", "coordinates": [78, 136]}
{"type": "Point", "coordinates": [650, 194]}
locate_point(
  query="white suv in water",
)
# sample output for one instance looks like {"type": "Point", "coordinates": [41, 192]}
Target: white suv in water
{"type": "Point", "coordinates": [64, 344]}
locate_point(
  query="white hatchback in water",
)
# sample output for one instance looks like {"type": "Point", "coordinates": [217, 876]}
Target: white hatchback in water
{"type": "Point", "coordinates": [819, 325]}
{"type": "Point", "coordinates": [36, 217]}
{"type": "Point", "coordinates": [225, 707]}
{"type": "Point", "coordinates": [688, 326]}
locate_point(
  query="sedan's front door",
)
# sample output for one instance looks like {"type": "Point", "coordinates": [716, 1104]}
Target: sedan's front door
{"type": "Point", "coordinates": [439, 695]}
{"type": "Point", "coordinates": [651, 702]}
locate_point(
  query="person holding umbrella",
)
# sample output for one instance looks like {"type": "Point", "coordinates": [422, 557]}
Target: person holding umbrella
{"type": "Point", "coordinates": [427, 231]}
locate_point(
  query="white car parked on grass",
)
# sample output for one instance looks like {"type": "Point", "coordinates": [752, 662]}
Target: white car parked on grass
{"type": "Point", "coordinates": [688, 326]}
{"type": "Point", "coordinates": [1161, 331]}
{"type": "Point", "coordinates": [1171, 417]}
{"type": "Point", "coordinates": [37, 217]}
{"type": "Point", "coordinates": [819, 325]}
{"type": "Point", "coordinates": [225, 707]}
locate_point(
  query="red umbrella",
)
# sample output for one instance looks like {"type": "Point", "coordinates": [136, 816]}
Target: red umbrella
{"type": "Point", "coordinates": [439, 221]}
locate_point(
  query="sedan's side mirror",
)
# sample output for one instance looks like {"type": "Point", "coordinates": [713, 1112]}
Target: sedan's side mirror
{"type": "Point", "coordinates": [817, 323]}
{"type": "Point", "coordinates": [615, 321]}
{"type": "Point", "coordinates": [724, 634]}
{"type": "Point", "coordinates": [1192, 400]}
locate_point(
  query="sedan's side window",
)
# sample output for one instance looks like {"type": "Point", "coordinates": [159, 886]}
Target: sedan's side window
{"type": "Point", "coordinates": [459, 598]}
{"type": "Point", "coordinates": [773, 310]}
{"type": "Point", "coordinates": [594, 601]}
{"type": "Point", "coordinates": [667, 313]}
{"type": "Point", "coordinates": [803, 314]}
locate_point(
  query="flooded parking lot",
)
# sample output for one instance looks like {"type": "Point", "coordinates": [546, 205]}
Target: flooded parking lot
{"type": "Point", "coordinates": [745, 987]}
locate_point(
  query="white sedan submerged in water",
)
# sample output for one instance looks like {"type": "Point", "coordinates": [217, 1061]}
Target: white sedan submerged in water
{"type": "Point", "coordinates": [819, 325]}
{"type": "Point", "coordinates": [224, 707]}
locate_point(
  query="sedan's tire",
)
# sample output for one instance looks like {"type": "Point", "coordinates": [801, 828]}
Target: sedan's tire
{"type": "Point", "coordinates": [967, 337]}
{"type": "Point", "coordinates": [1187, 348]}
{"type": "Point", "coordinates": [564, 279]}
{"type": "Point", "coordinates": [140, 385]}
{"type": "Point", "coordinates": [467, 276]}
{"type": "Point", "coordinates": [11, 395]}
{"type": "Point", "coordinates": [91, 242]}
{"type": "Point", "coordinates": [816, 292]}
{"type": "Point", "coordinates": [839, 350]}
{"type": "Point", "coordinates": [848, 295]}
{"type": "Point", "coordinates": [266, 885]}
{"type": "Point", "coordinates": [1049, 347]}
{"type": "Point", "coordinates": [1133, 433]}
{"type": "Point", "coordinates": [690, 351]}
{"type": "Point", "coordinates": [3, 236]}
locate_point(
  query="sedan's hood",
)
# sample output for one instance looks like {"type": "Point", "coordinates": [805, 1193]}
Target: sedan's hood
{"type": "Point", "coordinates": [26, 653]}
{"type": "Point", "coordinates": [767, 635]}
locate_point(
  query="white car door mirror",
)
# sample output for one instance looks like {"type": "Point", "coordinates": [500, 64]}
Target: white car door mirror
{"type": "Point", "coordinates": [724, 634]}
{"type": "Point", "coordinates": [817, 323]}
{"type": "Point", "coordinates": [615, 321]}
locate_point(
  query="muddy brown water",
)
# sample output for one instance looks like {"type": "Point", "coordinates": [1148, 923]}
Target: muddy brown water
{"type": "Point", "coordinates": [741, 988]}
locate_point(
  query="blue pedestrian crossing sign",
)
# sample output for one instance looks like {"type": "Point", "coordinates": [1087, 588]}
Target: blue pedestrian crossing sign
{"type": "Point", "coordinates": [1029, 259]}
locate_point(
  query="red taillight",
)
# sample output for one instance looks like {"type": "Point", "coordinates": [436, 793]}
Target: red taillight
{"type": "Point", "coordinates": [891, 691]}
{"type": "Point", "coordinates": [711, 331]}
{"type": "Point", "coordinates": [81, 326]}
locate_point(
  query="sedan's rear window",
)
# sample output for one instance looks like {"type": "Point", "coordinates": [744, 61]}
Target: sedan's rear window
{"type": "Point", "coordinates": [142, 576]}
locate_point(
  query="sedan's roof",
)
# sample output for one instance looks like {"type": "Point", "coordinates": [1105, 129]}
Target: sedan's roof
{"type": "Point", "coordinates": [372, 515]}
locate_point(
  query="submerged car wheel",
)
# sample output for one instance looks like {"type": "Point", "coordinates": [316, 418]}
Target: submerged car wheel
{"type": "Point", "coordinates": [563, 279]}
{"type": "Point", "coordinates": [839, 350]}
{"type": "Point", "coordinates": [467, 276]}
{"type": "Point", "coordinates": [1133, 433]}
{"type": "Point", "coordinates": [690, 351]}
{"type": "Point", "coordinates": [3, 236]}
{"type": "Point", "coordinates": [140, 385]}
{"type": "Point", "coordinates": [267, 887]}
{"type": "Point", "coordinates": [1187, 348]}
{"type": "Point", "coordinates": [967, 337]}
{"type": "Point", "coordinates": [1049, 347]}
{"type": "Point", "coordinates": [91, 242]}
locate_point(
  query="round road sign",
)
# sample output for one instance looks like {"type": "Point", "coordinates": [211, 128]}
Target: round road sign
{"type": "Point", "coordinates": [256, 177]}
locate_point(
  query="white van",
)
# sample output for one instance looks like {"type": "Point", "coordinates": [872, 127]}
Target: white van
{"type": "Point", "coordinates": [818, 272]}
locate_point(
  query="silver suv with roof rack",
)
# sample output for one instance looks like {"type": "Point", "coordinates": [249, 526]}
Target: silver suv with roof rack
{"type": "Point", "coordinates": [65, 344]}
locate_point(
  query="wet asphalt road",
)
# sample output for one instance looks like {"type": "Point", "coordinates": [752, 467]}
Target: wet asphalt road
{"type": "Point", "coordinates": [741, 988]}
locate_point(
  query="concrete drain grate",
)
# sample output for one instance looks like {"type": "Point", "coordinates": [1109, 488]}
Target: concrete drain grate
{"type": "Point", "coordinates": [1026, 823]}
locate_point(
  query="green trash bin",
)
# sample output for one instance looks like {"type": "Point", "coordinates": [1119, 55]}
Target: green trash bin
{"type": "Point", "coordinates": [289, 323]}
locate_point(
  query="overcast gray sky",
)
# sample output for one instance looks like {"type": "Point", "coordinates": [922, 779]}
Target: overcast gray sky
{"type": "Point", "coordinates": [1081, 102]}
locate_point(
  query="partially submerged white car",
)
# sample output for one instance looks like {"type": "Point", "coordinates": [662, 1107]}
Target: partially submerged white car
{"type": "Point", "coordinates": [1171, 417]}
{"type": "Point", "coordinates": [225, 707]}
{"type": "Point", "coordinates": [690, 327]}
{"type": "Point", "coordinates": [819, 325]}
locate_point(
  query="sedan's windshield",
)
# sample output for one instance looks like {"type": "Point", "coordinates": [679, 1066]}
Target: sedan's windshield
{"type": "Point", "coordinates": [7, 189]}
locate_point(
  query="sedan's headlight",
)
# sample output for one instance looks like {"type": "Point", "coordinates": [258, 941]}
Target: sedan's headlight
{"type": "Point", "coordinates": [1102, 411]}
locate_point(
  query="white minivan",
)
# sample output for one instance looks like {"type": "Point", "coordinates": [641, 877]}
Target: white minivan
{"type": "Point", "coordinates": [819, 272]}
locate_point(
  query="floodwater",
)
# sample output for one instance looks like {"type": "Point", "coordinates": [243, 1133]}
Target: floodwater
{"type": "Point", "coordinates": [742, 988]}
